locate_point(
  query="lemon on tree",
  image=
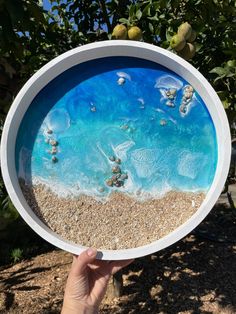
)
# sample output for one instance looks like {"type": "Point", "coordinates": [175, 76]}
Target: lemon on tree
{"type": "Point", "coordinates": [193, 36]}
{"type": "Point", "coordinates": [135, 33]}
{"type": "Point", "coordinates": [188, 51]}
{"type": "Point", "coordinates": [185, 30]}
{"type": "Point", "coordinates": [119, 32]}
{"type": "Point", "coordinates": [178, 42]}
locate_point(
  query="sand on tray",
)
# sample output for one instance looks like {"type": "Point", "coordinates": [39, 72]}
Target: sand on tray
{"type": "Point", "coordinates": [119, 223]}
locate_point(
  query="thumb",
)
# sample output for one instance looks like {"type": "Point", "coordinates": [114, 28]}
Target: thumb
{"type": "Point", "coordinates": [80, 262]}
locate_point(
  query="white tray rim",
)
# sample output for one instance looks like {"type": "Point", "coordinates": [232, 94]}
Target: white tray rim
{"type": "Point", "coordinates": [91, 52]}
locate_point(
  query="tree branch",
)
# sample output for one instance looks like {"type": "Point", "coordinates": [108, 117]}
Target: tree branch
{"type": "Point", "coordinates": [105, 15]}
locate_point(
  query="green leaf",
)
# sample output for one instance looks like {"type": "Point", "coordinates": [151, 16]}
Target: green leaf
{"type": "Point", "coordinates": [147, 10]}
{"type": "Point", "coordinates": [37, 12]}
{"type": "Point", "coordinates": [139, 14]}
{"type": "Point", "coordinates": [131, 10]}
{"type": "Point", "coordinates": [124, 21]}
{"type": "Point", "coordinates": [218, 70]}
{"type": "Point", "coordinates": [151, 27]}
{"type": "Point", "coordinates": [154, 18]}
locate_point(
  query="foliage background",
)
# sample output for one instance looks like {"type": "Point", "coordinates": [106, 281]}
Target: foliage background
{"type": "Point", "coordinates": [30, 36]}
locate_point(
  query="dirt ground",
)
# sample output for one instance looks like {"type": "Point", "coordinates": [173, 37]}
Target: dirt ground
{"type": "Point", "coordinates": [195, 275]}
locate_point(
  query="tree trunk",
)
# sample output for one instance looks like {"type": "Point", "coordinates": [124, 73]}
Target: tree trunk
{"type": "Point", "coordinates": [115, 287]}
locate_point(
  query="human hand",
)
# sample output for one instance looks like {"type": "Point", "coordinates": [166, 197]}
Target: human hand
{"type": "Point", "coordinates": [87, 282]}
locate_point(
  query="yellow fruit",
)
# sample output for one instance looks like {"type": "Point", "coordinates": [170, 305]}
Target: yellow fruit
{"type": "Point", "coordinates": [135, 33]}
{"type": "Point", "coordinates": [185, 30]}
{"type": "Point", "coordinates": [188, 52]}
{"type": "Point", "coordinates": [177, 42]}
{"type": "Point", "coordinates": [119, 32]}
{"type": "Point", "coordinates": [192, 36]}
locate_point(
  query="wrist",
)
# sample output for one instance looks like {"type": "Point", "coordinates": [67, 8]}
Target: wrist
{"type": "Point", "coordinates": [78, 308]}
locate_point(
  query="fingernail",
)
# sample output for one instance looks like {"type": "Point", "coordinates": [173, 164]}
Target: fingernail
{"type": "Point", "coordinates": [91, 252]}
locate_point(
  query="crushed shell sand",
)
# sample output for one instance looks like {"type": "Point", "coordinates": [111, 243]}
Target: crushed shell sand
{"type": "Point", "coordinates": [119, 223]}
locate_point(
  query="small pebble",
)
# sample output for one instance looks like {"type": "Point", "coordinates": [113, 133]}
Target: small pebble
{"type": "Point", "coordinates": [114, 177]}
{"type": "Point", "coordinates": [118, 160]}
{"type": "Point", "coordinates": [188, 95]}
{"type": "Point", "coordinates": [170, 103]}
{"type": "Point", "coordinates": [49, 131]}
{"type": "Point", "coordinates": [54, 159]}
{"type": "Point", "coordinates": [116, 169]}
{"type": "Point", "coordinates": [183, 109]}
{"type": "Point", "coordinates": [53, 142]}
{"type": "Point", "coordinates": [121, 81]}
{"type": "Point", "coordinates": [54, 150]}
{"type": "Point", "coordinates": [168, 93]}
{"type": "Point", "coordinates": [163, 122]}
{"type": "Point", "coordinates": [172, 91]}
{"type": "Point", "coordinates": [119, 183]}
{"type": "Point", "coordinates": [188, 88]}
{"type": "Point", "coordinates": [112, 158]}
{"type": "Point", "coordinates": [109, 182]}
{"type": "Point", "coordinates": [124, 176]}
{"type": "Point", "coordinates": [124, 127]}
{"type": "Point", "coordinates": [101, 189]}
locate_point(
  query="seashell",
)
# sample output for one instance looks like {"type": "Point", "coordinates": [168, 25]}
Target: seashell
{"type": "Point", "coordinates": [109, 182]}
{"type": "Point", "coordinates": [112, 158]}
{"type": "Point", "coordinates": [121, 81]}
{"type": "Point", "coordinates": [116, 169]}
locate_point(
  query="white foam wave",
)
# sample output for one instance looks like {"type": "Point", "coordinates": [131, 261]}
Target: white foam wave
{"type": "Point", "coordinates": [168, 81]}
{"type": "Point", "coordinates": [141, 100]}
{"type": "Point", "coordinates": [122, 149]}
{"type": "Point", "coordinates": [124, 75]}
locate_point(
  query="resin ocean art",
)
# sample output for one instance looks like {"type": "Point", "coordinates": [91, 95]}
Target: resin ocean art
{"type": "Point", "coordinates": [116, 153]}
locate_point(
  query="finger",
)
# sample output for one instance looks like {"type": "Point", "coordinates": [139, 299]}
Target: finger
{"type": "Point", "coordinates": [80, 262]}
{"type": "Point", "coordinates": [118, 265]}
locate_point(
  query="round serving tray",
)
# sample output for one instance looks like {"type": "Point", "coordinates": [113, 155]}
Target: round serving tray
{"type": "Point", "coordinates": [93, 52]}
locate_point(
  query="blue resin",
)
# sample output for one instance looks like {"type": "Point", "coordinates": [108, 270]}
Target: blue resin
{"type": "Point", "coordinates": [117, 106]}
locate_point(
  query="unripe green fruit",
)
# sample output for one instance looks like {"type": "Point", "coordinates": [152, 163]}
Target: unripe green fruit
{"type": "Point", "coordinates": [135, 33]}
{"type": "Point", "coordinates": [177, 42]}
{"type": "Point", "coordinates": [188, 52]}
{"type": "Point", "coordinates": [185, 30]}
{"type": "Point", "coordinates": [120, 31]}
{"type": "Point", "coordinates": [192, 36]}
{"type": "Point", "coordinates": [231, 63]}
